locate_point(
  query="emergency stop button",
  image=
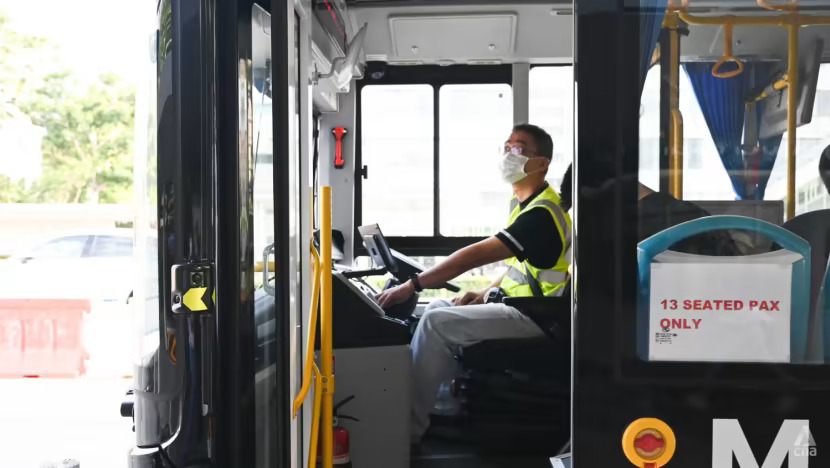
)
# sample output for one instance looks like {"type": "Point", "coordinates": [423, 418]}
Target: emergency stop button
{"type": "Point", "coordinates": [648, 443]}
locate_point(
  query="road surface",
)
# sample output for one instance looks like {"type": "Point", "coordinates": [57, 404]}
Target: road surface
{"type": "Point", "coordinates": [44, 420]}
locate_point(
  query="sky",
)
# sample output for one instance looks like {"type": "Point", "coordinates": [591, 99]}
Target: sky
{"type": "Point", "coordinates": [94, 36]}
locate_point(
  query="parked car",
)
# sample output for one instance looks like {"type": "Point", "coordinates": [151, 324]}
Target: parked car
{"type": "Point", "coordinates": [96, 265]}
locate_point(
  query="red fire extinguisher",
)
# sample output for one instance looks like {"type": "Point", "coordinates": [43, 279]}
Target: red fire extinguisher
{"type": "Point", "coordinates": [342, 455]}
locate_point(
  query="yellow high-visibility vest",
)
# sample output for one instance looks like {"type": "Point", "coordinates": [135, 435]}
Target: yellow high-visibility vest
{"type": "Point", "coordinates": [552, 282]}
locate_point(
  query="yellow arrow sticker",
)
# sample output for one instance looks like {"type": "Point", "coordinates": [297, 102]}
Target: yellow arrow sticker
{"type": "Point", "coordinates": [193, 299]}
{"type": "Point", "coordinates": [214, 295]}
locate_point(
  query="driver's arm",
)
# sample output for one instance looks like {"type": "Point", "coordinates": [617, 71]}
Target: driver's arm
{"type": "Point", "coordinates": [497, 282]}
{"type": "Point", "coordinates": [481, 253]}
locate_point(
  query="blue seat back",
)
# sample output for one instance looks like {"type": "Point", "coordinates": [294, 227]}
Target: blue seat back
{"type": "Point", "coordinates": [814, 227]}
{"type": "Point", "coordinates": [662, 241]}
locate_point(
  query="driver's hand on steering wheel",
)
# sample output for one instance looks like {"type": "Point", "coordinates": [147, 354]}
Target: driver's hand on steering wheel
{"type": "Point", "coordinates": [470, 298]}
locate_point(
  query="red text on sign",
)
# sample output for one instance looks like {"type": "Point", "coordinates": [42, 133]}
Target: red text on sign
{"type": "Point", "coordinates": [719, 304]}
{"type": "Point", "coordinates": [687, 324]}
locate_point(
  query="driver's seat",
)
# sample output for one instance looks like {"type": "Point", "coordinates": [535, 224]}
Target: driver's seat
{"type": "Point", "coordinates": [515, 393]}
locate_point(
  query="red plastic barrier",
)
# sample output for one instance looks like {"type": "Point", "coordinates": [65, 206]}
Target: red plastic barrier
{"type": "Point", "coordinates": [42, 337]}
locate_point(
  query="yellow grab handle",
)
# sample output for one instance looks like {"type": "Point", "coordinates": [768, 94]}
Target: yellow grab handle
{"type": "Point", "coordinates": [684, 5]}
{"type": "Point", "coordinates": [727, 55]}
{"type": "Point", "coordinates": [793, 5]}
{"type": "Point", "coordinates": [312, 331]}
{"type": "Point", "coordinates": [258, 266]}
{"type": "Point", "coordinates": [676, 150]}
{"type": "Point", "coordinates": [312, 315]}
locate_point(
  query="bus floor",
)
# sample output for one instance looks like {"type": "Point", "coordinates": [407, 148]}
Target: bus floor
{"type": "Point", "coordinates": [435, 452]}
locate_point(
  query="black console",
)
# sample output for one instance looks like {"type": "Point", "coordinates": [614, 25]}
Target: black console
{"type": "Point", "coordinates": [358, 321]}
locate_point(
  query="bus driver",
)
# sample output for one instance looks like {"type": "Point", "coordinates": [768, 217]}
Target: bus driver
{"type": "Point", "coordinates": [534, 244]}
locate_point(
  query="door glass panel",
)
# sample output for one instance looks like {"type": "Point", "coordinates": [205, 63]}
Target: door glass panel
{"type": "Point", "coordinates": [155, 373]}
{"type": "Point", "coordinates": [692, 266]}
{"type": "Point", "coordinates": [263, 188]}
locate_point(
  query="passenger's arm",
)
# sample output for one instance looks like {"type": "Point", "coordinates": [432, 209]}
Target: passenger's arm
{"type": "Point", "coordinates": [479, 254]}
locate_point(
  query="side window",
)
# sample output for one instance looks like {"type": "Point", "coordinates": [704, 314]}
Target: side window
{"type": "Point", "coordinates": [65, 247]}
{"type": "Point", "coordinates": [475, 120]}
{"type": "Point", "coordinates": [112, 246]}
{"type": "Point", "coordinates": [704, 177]}
{"type": "Point", "coordinates": [811, 140]}
{"type": "Point", "coordinates": [552, 108]}
{"type": "Point", "coordinates": [397, 128]}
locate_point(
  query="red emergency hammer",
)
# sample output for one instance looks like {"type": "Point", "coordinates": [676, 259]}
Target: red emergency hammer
{"type": "Point", "coordinates": [339, 133]}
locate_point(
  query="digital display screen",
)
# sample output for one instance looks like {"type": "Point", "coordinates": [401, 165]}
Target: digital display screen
{"type": "Point", "coordinates": [331, 18]}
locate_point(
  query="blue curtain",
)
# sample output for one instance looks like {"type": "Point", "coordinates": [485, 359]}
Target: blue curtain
{"type": "Point", "coordinates": [723, 103]}
{"type": "Point", "coordinates": [651, 22]}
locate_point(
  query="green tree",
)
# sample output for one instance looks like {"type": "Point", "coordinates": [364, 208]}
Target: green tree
{"type": "Point", "coordinates": [13, 191]}
{"type": "Point", "coordinates": [87, 150]}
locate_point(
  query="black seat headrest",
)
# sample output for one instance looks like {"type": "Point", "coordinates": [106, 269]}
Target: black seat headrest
{"type": "Point", "coordinates": [338, 244]}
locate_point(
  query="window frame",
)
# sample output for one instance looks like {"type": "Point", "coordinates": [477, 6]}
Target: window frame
{"type": "Point", "coordinates": [435, 76]}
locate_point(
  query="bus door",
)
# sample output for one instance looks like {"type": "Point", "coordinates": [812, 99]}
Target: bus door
{"type": "Point", "coordinates": [174, 389]}
{"type": "Point", "coordinates": [219, 237]}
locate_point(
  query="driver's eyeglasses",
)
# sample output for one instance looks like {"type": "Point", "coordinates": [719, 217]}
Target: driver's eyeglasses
{"type": "Point", "coordinates": [516, 150]}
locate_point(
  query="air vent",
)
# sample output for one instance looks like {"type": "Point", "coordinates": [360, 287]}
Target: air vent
{"type": "Point", "coordinates": [490, 36]}
{"type": "Point", "coordinates": [484, 62]}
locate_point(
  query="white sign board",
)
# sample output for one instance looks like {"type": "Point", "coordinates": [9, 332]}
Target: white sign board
{"type": "Point", "coordinates": [725, 309]}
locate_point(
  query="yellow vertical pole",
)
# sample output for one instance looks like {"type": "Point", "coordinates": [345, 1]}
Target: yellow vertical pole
{"type": "Point", "coordinates": [315, 419]}
{"type": "Point", "coordinates": [327, 420]}
{"type": "Point", "coordinates": [792, 108]}
{"type": "Point", "coordinates": [672, 23]}
{"type": "Point", "coordinates": [677, 153]}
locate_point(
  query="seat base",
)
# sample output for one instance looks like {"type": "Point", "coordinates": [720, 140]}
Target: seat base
{"type": "Point", "coordinates": [541, 357]}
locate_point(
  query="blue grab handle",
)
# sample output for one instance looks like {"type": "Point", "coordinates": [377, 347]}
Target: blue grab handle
{"type": "Point", "coordinates": [649, 248]}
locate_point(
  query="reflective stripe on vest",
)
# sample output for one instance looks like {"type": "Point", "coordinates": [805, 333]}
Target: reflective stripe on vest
{"type": "Point", "coordinates": [543, 276]}
{"type": "Point", "coordinates": [517, 281]}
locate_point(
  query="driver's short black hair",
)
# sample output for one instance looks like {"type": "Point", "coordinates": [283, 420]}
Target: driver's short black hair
{"type": "Point", "coordinates": [824, 168]}
{"type": "Point", "coordinates": [566, 188]}
{"type": "Point", "coordinates": [544, 143]}
{"type": "Point", "coordinates": [824, 161]}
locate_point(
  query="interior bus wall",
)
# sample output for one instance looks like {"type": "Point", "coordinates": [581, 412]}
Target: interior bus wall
{"type": "Point", "coordinates": [521, 93]}
{"type": "Point", "coordinates": [341, 180]}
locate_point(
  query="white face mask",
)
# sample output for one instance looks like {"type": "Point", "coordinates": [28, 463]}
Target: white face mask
{"type": "Point", "coordinates": [512, 166]}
